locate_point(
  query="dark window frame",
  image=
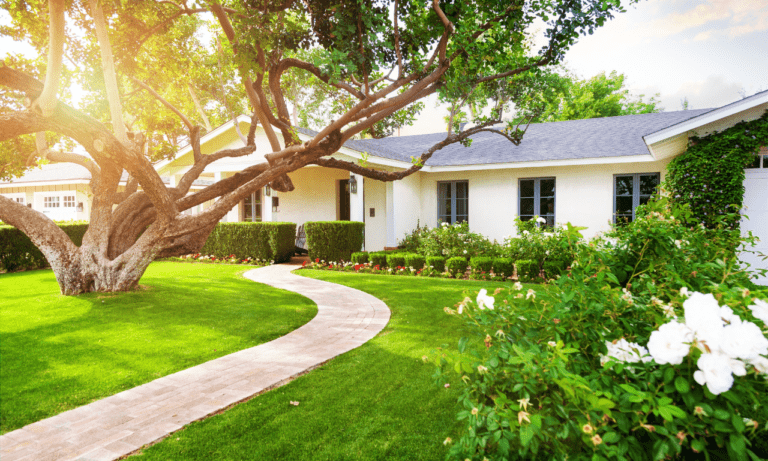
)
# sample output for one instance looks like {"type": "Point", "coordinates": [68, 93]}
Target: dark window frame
{"type": "Point", "coordinates": [536, 198]}
{"type": "Point", "coordinates": [452, 215]}
{"type": "Point", "coordinates": [255, 204]}
{"type": "Point", "coordinates": [635, 191]}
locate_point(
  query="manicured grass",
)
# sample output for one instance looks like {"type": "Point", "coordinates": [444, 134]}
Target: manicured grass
{"type": "Point", "coordinates": [60, 352]}
{"type": "Point", "coordinates": [377, 402]}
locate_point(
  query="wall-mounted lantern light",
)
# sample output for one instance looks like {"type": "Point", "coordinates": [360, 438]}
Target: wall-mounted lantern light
{"type": "Point", "coordinates": [275, 203]}
{"type": "Point", "coordinates": [79, 207]}
{"type": "Point", "coordinates": [267, 190]}
{"type": "Point", "coordinates": [352, 184]}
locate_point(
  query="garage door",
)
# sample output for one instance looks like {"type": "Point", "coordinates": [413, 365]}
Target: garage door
{"type": "Point", "coordinates": [756, 209]}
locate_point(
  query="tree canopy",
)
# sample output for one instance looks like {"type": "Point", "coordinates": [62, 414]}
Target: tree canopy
{"type": "Point", "coordinates": [155, 73]}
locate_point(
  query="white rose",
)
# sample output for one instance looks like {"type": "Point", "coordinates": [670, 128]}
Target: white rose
{"type": "Point", "coordinates": [518, 286]}
{"type": "Point", "coordinates": [624, 351]}
{"type": "Point", "coordinates": [670, 343]}
{"type": "Point", "coordinates": [743, 340]}
{"type": "Point", "coordinates": [760, 310]}
{"type": "Point", "coordinates": [483, 300]}
{"type": "Point", "coordinates": [714, 371]}
{"type": "Point", "coordinates": [760, 364]}
{"type": "Point", "coordinates": [541, 220]}
{"type": "Point", "coordinates": [684, 292]}
{"type": "Point", "coordinates": [702, 315]}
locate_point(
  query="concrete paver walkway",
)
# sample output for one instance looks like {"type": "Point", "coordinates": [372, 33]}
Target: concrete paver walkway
{"type": "Point", "coordinates": [120, 424]}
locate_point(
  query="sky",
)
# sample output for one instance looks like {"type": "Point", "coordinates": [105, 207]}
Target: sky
{"type": "Point", "coordinates": [708, 51]}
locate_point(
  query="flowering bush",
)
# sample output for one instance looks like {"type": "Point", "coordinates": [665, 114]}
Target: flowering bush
{"type": "Point", "coordinates": [231, 259]}
{"type": "Point", "coordinates": [636, 354]}
{"type": "Point", "coordinates": [541, 244]}
{"type": "Point", "coordinates": [449, 241]}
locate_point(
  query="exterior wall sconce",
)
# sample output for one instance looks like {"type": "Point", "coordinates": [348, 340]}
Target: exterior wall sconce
{"type": "Point", "coordinates": [275, 204]}
{"type": "Point", "coordinates": [79, 208]}
{"type": "Point", "coordinates": [352, 184]}
{"type": "Point", "coordinates": [267, 190]}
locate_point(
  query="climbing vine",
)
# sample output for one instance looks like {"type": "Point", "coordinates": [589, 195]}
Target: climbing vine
{"type": "Point", "coordinates": [709, 176]}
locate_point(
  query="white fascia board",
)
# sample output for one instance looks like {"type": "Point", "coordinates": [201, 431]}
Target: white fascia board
{"type": "Point", "coordinates": [44, 183]}
{"type": "Point", "coordinates": [541, 164]}
{"type": "Point", "coordinates": [706, 118]}
{"type": "Point", "coordinates": [216, 132]}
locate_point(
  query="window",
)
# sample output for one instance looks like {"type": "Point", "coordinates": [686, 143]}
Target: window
{"type": "Point", "coordinates": [760, 161]}
{"type": "Point", "coordinates": [453, 201]}
{"type": "Point", "coordinates": [537, 198]}
{"type": "Point", "coordinates": [19, 200]}
{"type": "Point", "coordinates": [631, 191]}
{"type": "Point", "coordinates": [51, 202]}
{"type": "Point", "coordinates": [252, 207]}
{"type": "Point", "coordinates": [69, 201]}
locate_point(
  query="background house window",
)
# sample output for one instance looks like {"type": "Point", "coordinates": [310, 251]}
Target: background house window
{"type": "Point", "coordinates": [537, 198]}
{"type": "Point", "coordinates": [69, 201]}
{"type": "Point", "coordinates": [453, 201]}
{"type": "Point", "coordinates": [252, 207]}
{"type": "Point", "coordinates": [760, 162]}
{"type": "Point", "coordinates": [19, 200]}
{"type": "Point", "coordinates": [51, 202]}
{"type": "Point", "coordinates": [631, 191]}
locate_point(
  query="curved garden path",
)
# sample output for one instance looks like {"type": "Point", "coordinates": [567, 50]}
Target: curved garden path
{"type": "Point", "coordinates": [115, 426]}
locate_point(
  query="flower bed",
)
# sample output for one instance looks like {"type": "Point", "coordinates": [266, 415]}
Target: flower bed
{"type": "Point", "coordinates": [212, 259]}
{"type": "Point", "coordinates": [371, 268]}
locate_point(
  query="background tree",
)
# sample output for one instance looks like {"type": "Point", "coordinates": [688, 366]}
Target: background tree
{"type": "Point", "coordinates": [382, 56]}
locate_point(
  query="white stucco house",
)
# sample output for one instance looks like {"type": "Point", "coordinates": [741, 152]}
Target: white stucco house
{"type": "Point", "coordinates": [587, 172]}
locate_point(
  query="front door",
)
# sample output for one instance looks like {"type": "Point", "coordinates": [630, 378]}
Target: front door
{"type": "Point", "coordinates": [344, 200]}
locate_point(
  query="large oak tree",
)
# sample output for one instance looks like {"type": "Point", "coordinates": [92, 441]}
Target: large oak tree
{"type": "Point", "coordinates": [380, 56]}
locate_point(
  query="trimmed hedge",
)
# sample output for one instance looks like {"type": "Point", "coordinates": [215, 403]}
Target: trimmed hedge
{"type": "Point", "coordinates": [333, 240]}
{"type": "Point", "coordinates": [527, 270]}
{"type": "Point", "coordinates": [554, 268]}
{"type": "Point", "coordinates": [415, 261]}
{"type": "Point", "coordinates": [481, 264]}
{"type": "Point", "coordinates": [17, 252]}
{"type": "Point", "coordinates": [437, 263]}
{"type": "Point", "coordinates": [504, 266]}
{"type": "Point", "coordinates": [456, 266]}
{"type": "Point", "coordinates": [270, 241]}
{"type": "Point", "coordinates": [361, 257]}
{"type": "Point", "coordinates": [378, 259]}
{"type": "Point", "coordinates": [396, 260]}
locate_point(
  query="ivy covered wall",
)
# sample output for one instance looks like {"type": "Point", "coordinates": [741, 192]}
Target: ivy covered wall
{"type": "Point", "coordinates": [709, 176]}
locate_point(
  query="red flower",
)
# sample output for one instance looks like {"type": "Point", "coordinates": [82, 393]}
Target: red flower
{"type": "Point", "coordinates": [317, 260]}
{"type": "Point", "coordinates": [357, 267]}
{"type": "Point", "coordinates": [303, 264]}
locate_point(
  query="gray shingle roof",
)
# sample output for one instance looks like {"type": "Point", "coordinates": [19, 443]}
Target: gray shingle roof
{"type": "Point", "coordinates": [574, 139]}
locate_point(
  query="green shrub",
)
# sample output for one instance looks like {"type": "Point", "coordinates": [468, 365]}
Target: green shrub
{"type": "Point", "coordinates": [505, 266]}
{"type": "Point", "coordinates": [415, 261]}
{"type": "Point", "coordinates": [268, 241]}
{"type": "Point", "coordinates": [396, 260]}
{"type": "Point", "coordinates": [481, 264]}
{"type": "Point", "coordinates": [17, 252]}
{"type": "Point", "coordinates": [361, 257]}
{"type": "Point", "coordinates": [527, 270]}
{"type": "Point", "coordinates": [554, 268]}
{"type": "Point", "coordinates": [378, 259]}
{"type": "Point", "coordinates": [333, 240]}
{"type": "Point", "coordinates": [437, 263]}
{"type": "Point", "coordinates": [454, 240]}
{"type": "Point", "coordinates": [456, 266]}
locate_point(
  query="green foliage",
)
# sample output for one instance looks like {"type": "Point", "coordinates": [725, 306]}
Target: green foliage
{"type": "Point", "coordinates": [527, 270]}
{"type": "Point", "coordinates": [378, 259]}
{"type": "Point", "coordinates": [541, 243]}
{"type": "Point", "coordinates": [505, 266]}
{"type": "Point", "coordinates": [709, 176]}
{"type": "Point", "coordinates": [481, 264]}
{"type": "Point", "coordinates": [395, 260]}
{"type": "Point", "coordinates": [414, 260]}
{"type": "Point", "coordinates": [456, 266]}
{"type": "Point", "coordinates": [554, 268]}
{"type": "Point", "coordinates": [542, 386]}
{"type": "Point", "coordinates": [333, 240]}
{"type": "Point", "coordinates": [449, 241]}
{"type": "Point", "coordinates": [360, 257]}
{"type": "Point", "coordinates": [436, 262]}
{"type": "Point", "coordinates": [266, 241]}
{"type": "Point", "coordinates": [17, 252]}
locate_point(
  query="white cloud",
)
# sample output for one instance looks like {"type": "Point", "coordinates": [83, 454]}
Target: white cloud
{"type": "Point", "coordinates": [740, 17]}
{"type": "Point", "coordinates": [714, 91]}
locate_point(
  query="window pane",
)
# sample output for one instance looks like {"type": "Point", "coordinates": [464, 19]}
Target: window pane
{"type": "Point", "coordinates": [755, 162]}
{"type": "Point", "coordinates": [550, 221]}
{"type": "Point", "coordinates": [547, 206]}
{"type": "Point", "coordinates": [257, 196]}
{"type": "Point", "coordinates": [460, 218]}
{"type": "Point", "coordinates": [526, 206]}
{"type": "Point", "coordinates": [624, 185]}
{"type": "Point", "coordinates": [648, 183]}
{"type": "Point", "coordinates": [644, 199]}
{"type": "Point", "coordinates": [765, 161]}
{"type": "Point", "coordinates": [526, 218]}
{"type": "Point", "coordinates": [462, 189]}
{"type": "Point", "coordinates": [445, 190]}
{"type": "Point", "coordinates": [461, 207]}
{"type": "Point", "coordinates": [547, 188]}
{"type": "Point", "coordinates": [526, 188]}
{"type": "Point", "coordinates": [624, 205]}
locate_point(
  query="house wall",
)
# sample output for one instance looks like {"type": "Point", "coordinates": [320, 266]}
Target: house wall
{"type": "Point", "coordinates": [315, 197]}
{"type": "Point", "coordinates": [376, 226]}
{"type": "Point", "coordinates": [583, 196]}
{"type": "Point", "coordinates": [35, 195]}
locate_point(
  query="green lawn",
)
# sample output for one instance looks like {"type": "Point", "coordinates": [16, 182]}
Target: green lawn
{"type": "Point", "coordinates": [59, 352]}
{"type": "Point", "coordinates": [377, 402]}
